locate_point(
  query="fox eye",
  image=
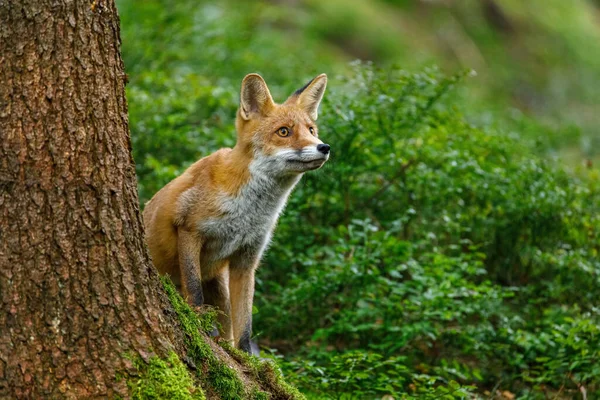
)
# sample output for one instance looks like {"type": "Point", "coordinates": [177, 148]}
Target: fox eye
{"type": "Point", "coordinates": [283, 131]}
{"type": "Point", "coordinates": [312, 130]}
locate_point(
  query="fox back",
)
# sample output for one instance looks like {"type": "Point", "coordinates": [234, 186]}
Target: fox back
{"type": "Point", "coordinates": [209, 227]}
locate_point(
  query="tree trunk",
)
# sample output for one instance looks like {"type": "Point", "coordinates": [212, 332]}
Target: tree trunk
{"type": "Point", "coordinates": [77, 289]}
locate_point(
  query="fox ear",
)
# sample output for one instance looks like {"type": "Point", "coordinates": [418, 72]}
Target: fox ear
{"type": "Point", "coordinates": [255, 98]}
{"type": "Point", "coordinates": [309, 97]}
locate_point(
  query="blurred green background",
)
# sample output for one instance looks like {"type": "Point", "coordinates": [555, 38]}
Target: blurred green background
{"type": "Point", "coordinates": [449, 248]}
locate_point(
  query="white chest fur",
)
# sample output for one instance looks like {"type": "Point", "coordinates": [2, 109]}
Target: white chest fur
{"type": "Point", "coordinates": [248, 219]}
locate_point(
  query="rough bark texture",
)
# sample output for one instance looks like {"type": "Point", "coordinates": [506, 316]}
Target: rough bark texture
{"type": "Point", "coordinates": [78, 295]}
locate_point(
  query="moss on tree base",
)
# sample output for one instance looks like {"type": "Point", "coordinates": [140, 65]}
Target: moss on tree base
{"type": "Point", "coordinates": [211, 369]}
{"type": "Point", "coordinates": [164, 379]}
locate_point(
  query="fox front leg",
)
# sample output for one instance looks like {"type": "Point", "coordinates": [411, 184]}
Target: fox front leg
{"type": "Point", "coordinates": [216, 293]}
{"type": "Point", "coordinates": [188, 246]}
{"type": "Point", "coordinates": [241, 292]}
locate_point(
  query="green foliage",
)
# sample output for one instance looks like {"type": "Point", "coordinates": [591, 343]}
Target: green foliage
{"type": "Point", "coordinates": [447, 250]}
{"type": "Point", "coordinates": [435, 255]}
{"type": "Point", "coordinates": [164, 379]}
{"type": "Point", "coordinates": [360, 374]}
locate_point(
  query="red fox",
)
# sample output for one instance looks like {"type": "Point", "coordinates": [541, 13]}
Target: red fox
{"type": "Point", "coordinates": [209, 227]}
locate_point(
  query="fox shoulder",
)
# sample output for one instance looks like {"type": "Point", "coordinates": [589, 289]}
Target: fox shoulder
{"type": "Point", "coordinates": [200, 188]}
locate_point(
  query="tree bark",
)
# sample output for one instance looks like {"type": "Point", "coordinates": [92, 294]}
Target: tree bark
{"type": "Point", "coordinates": [79, 298]}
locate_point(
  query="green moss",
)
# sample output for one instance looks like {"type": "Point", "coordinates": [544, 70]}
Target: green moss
{"type": "Point", "coordinates": [259, 395]}
{"type": "Point", "coordinates": [213, 373]}
{"type": "Point", "coordinates": [269, 372]}
{"type": "Point", "coordinates": [266, 373]}
{"type": "Point", "coordinates": [164, 379]}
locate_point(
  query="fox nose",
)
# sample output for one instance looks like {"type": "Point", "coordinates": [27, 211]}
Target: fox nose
{"type": "Point", "coordinates": [323, 148]}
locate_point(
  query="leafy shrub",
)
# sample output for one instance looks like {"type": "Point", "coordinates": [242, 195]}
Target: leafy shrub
{"type": "Point", "coordinates": [427, 238]}
{"type": "Point", "coordinates": [359, 374]}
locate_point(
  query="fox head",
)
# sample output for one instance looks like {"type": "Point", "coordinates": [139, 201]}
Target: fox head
{"type": "Point", "coordinates": [283, 138]}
